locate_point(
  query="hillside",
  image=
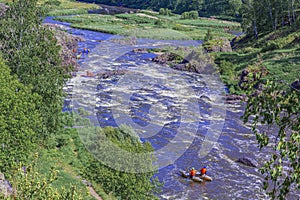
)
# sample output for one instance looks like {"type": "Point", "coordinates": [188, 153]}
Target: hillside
{"type": "Point", "coordinates": [277, 52]}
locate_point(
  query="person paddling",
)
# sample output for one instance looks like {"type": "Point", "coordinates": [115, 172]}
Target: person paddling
{"type": "Point", "coordinates": [192, 172]}
{"type": "Point", "coordinates": [203, 171]}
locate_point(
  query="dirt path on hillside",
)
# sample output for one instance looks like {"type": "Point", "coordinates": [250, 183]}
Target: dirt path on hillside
{"type": "Point", "coordinates": [94, 193]}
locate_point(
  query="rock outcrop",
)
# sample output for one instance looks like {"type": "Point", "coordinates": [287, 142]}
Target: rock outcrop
{"type": "Point", "coordinates": [69, 44]}
{"type": "Point", "coordinates": [195, 61]}
{"type": "Point", "coordinates": [218, 45]}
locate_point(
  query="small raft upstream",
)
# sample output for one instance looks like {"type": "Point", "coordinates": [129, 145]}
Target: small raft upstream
{"type": "Point", "coordinates": [197, 178]}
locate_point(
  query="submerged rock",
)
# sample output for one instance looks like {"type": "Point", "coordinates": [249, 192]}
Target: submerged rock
{"type": "Point", "coordinates": [247, 161]}
{"type": "Point", "coordinates": [108, 74]}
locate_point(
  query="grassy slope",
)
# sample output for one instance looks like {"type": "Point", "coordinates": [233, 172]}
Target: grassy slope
{"type": "Point", "coordinates": [64, 153]}
{"type": "Point", "coordinates": [278, 52]}
{"type": "Point", "coordinates": [152, 25]}
{"type": "Point", "coordinates": [66, 7]}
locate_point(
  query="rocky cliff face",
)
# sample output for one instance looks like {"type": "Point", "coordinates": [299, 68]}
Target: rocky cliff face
{"type": "Point", "coordinates": [69, 45]}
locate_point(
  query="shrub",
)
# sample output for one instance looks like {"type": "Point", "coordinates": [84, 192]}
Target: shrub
{"type": "Point", "coordinates": [190, 15]}
{"type": "Point", "coordinates": [162, 11]}
{"type": "Point", "coordinates": [165, 11]}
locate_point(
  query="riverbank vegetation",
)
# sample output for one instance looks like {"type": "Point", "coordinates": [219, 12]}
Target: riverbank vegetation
{"type": "Point", "coordinates": [62, 7]}
{"type": "Point", "coordinates": [265, 66]}
{"type": "Point", "coordinates": [221, 9]}
{"type": "Point", "coordinates": [37, 139]}
{"type": "Point", "coordinates": [153, 25]}
{"type": "Point", "coordinates": [42, 156]}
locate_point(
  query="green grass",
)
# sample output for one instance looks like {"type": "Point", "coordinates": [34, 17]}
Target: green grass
{"type": "Point", "coordinates": [278, 52]}
{"type": "Point", "coordinates": [151, 26]}
{"type": "Point", "coordinates": [62, 154]}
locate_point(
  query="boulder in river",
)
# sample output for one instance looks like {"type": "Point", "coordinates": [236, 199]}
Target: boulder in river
{"type": "Point", "coordinates": [167, 58]}
{"type": "Point", "coordinates": [247, 161]}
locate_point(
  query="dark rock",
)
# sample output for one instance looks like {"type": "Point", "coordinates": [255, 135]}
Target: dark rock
{"type": "Point", "coordinates": [233, 98]}
{"type": "Point", "coordinates": [140, 50]}
{"type": "Point", "coordinates": [108, 74]}
{"type": "Point", "coordinates": [167, 58]}
{"type": "Point", "coordinates": [247, 161]}
{"type": "Point", "coordinates": [296, 85]}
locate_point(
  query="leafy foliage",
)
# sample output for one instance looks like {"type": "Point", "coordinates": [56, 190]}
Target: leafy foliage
{"type": "Point", "coordinates": [20, 119]}
{"type": "Point", "coordinates": [32, 54]}
{"type": "Point", "coordinates": [123, 184]}
{"type": "Point", "coordinates": [277, 106]}
{"type": "Point", "coordinates": [30, 184]}
{"type": "Point", "coordinates": [190, 15]}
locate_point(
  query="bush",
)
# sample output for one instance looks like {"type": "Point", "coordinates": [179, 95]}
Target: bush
{"type": "Point", "coordinates": [29, 184]}
{"type": "Point", "coordinates": [165, 11]}
{"type": "Point", "coordinates": [53, 3]}
{"type": "Point", "coordinates": [162, 11]}
{"type": "Point", "coordinates": [122, 184]}
{"type": "Point", "coordinates": [208, 35]}
{"type": "Point", "coordinates": [190, 15]}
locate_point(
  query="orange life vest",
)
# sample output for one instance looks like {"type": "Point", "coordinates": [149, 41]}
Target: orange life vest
{"type": "Point", "coordinates": [193, 172]}
{"type": "Point", "coordinates": [203, 171]}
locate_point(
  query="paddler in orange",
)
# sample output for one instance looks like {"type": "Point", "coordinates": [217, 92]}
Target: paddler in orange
{"type": "Point", "coordinates": [193, 173]}
{"type": "Point", "coordinates": [203, 171]}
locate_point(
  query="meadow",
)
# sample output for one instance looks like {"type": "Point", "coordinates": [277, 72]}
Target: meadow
{"type": "Point", "coordinates": [149, 24]}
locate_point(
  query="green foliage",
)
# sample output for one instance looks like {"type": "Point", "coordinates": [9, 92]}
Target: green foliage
{"type": "Point", "coordinates": [52, 3]}
{"type": "Point", "coordinates": [190, 15]}
{"type": "Point", "coordinates": [208, 36]}
{"type": "Point", "coordinates": [165, 11]}
{"type": "Point", "coordinates": [20, 119]}
{"type": "Point", "coordinates": [162, 11]}
{"type": "Point", "coordinates": [265, 16]}
{"type": "Point", "coordinates": [28, 184]}
{"type": "Point", "coordinates": [33, 55]}
{"type": "Point", "coordinates": [158, 27]}
{"type": "Point", "coordinates": [208, 8]}
{"type": "Point", "coordinates": [277, 105]}
{"type": "Point", "coordinates": [123, 184]}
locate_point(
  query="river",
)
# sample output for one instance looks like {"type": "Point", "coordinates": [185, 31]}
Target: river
{"type": "Point", "coordinates": [182, 114]}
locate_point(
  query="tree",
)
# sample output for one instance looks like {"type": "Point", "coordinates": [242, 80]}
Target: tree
{"type": "Point", "coordinates": [31, 52]}
{"type": "Point", "coordinates": [278, 106]}
{"type": "Point", "coordinates": [19, 119]}
{"type": "Point", "coordinates": [122, 180]}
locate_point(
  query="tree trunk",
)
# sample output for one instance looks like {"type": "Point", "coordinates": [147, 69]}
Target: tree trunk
{"type": "Point", "coordinates": [271, 15]}
{"type": "Point", "coordinates": [255, 29]}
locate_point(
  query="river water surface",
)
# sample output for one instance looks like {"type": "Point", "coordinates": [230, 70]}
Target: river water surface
{"type": "Point", "coordinates": [162, 103]}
